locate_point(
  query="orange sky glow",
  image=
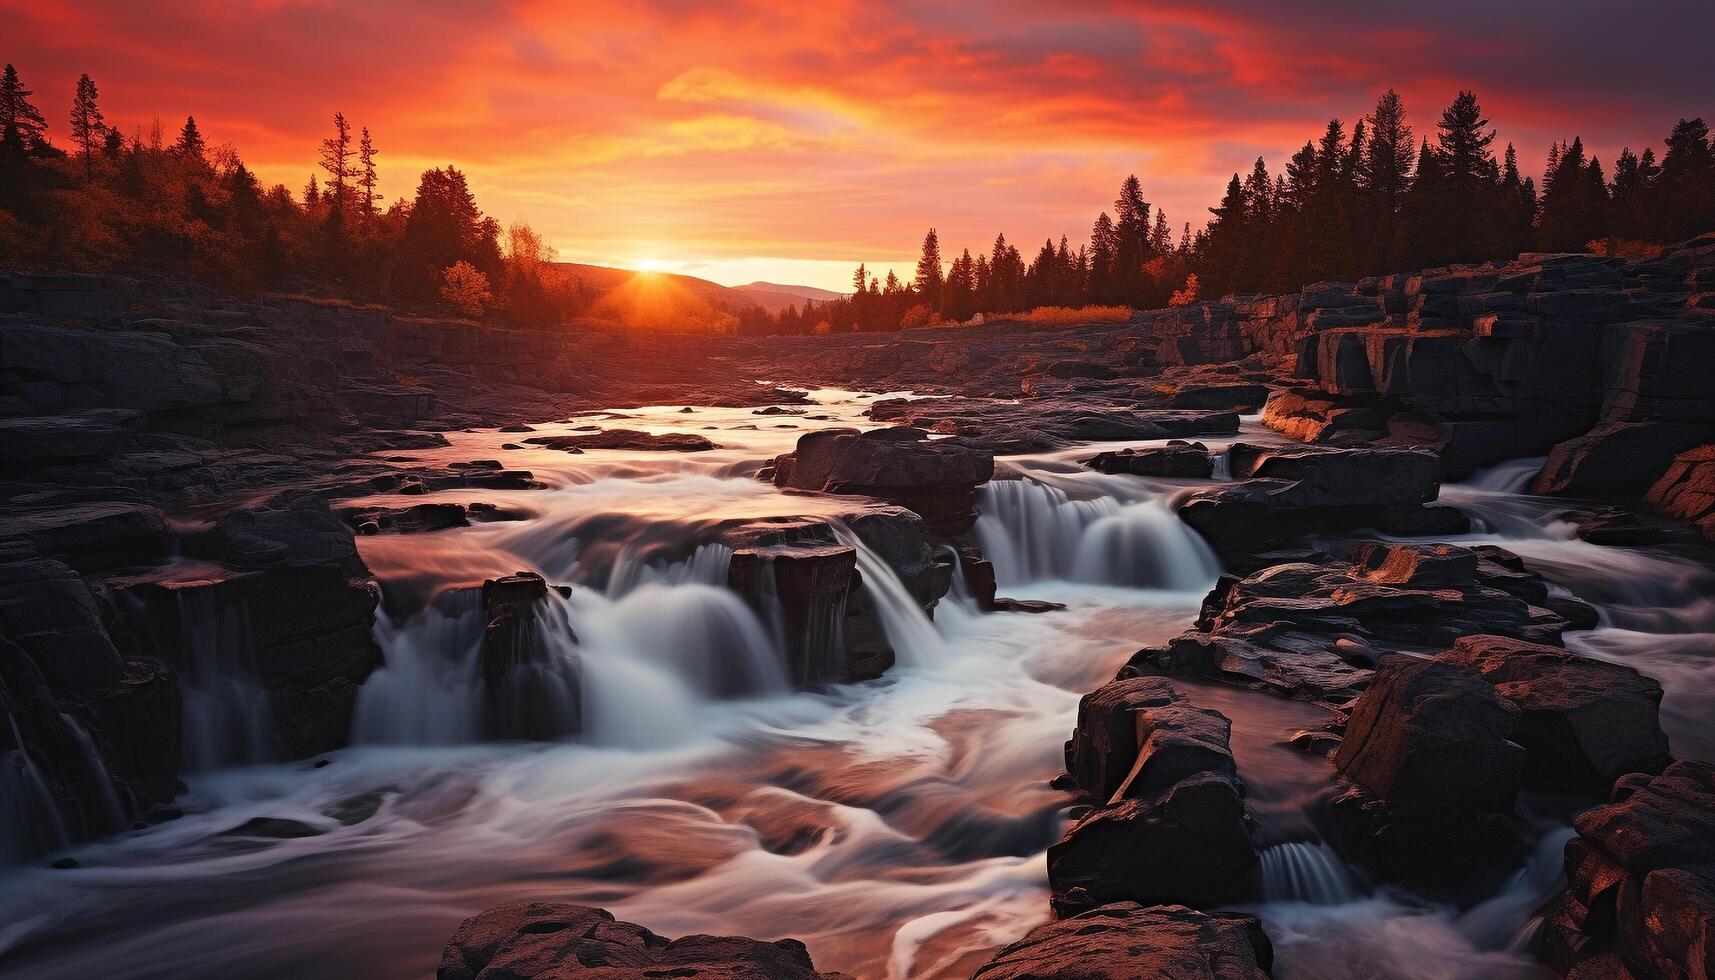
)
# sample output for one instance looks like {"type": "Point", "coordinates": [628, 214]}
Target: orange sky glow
{"type": "Point", "coordinates": [788, 141]}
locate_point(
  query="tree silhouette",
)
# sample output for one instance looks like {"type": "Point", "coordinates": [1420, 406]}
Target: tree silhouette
{"type": "Point", "coordinates": [21, 125]}
{"type": "Point", "coordinates": [929, 282]}
{"type": "Point", "coordinates": [87, 122]}
{"type": "Point", "coordinates": [366, 171]}
{"type": "Point", "coordinates": [190, 142]}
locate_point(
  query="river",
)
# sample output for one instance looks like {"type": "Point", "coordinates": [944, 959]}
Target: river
{"type": "Point", "coordinates": [896, 826]}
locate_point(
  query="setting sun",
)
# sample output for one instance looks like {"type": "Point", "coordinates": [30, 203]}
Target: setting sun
{"type": "Point", "coordinates": [650, 265]}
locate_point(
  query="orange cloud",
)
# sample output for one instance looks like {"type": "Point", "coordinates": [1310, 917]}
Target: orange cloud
{"type": "Point", "coordinates": [729, 136]}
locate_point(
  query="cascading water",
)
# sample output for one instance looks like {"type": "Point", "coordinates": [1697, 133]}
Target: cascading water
{"type": "Point", "coordinates": [33, 824]}
{"type": "Point", "coordinates": [1032, 532]}
{"type": "Point", "coordinates": [428, 692]}
{"type": "Point", "coordinates": [99, 788]}
{"type": "Point", "coordinates": [1305, 871]}
{"type": "Point", "coordinates": [915, 641]}
{"type": "Point", "coordinates": [227, 721]}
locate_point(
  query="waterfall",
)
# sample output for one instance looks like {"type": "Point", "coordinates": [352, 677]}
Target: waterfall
{"type": "Point", "coordinates": [1512, 476]}
{"type": "Point", "coordinates": [704, 635]}
{"type": "Point", "coordinates": [429, 690]}
{"type": "Point", "coordinates": [915, 641]}
{"type": "Point", "coordinates": [226, 716]}
{"type": "Point", "coordinates": [110, 811]}
{"type": "Point", "coordinates": [33, 824]}
{"type": "Point", "coordinates": [1031, 532]}
{"type": "Point", "coordinates": [1304, 871]}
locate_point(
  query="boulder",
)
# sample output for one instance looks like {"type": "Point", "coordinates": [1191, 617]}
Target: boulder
{"type": "Point", "coordinates": [801, 573]}
{"type": "Point", "coordinates": [632, 439]}
{"type": "Point", "coordinates": [1687, 490]}
{"type": "Point", "coordinates": [545, 940]}
{"type": "Point", "coordinates": [936, 478]}
{"type": "Point", "coordinates": [1640, 881]}
{"type": "Point", "coordinates": [1176, 459]}
{"type": "Point", "coordinates": [530, 668]}
{"type": "Point", "coordinates": [1433, 777]}
{"type": "Point", "coordinates": [1125, 940]}
{"type": "Point", "coordinates": [1318, 675]}
{"type": "Point", "coordinates": [49, 612]}
{"type": "Point", "coordinates": [1617, 460]}
{"type": "Point", "coordinates": [1170, 823]}
{"type": "Point", "coordinates": [92, 537]}
{"type": "Point", "coordinates": [1583, 723]}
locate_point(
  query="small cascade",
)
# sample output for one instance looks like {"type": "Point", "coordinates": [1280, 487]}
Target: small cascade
{"type": "Point", "coordinates": [530, 662]}
{"type": "Point", "coordinates": [1307, 871]}
{"type": "Point", "coordinates": [33, 824]}
{"type": "Point", "coordinates": [1032, 532]}
{"type": "Point", "coordinates": [1512, 476]}
{"type": "Point", "coordinates": [704, 635]}
{"type": "Point", "coordinates": [226, 716]}
{"type": "Point", "coordinates": [429, 689]}
{"type": "Point", "coordinates": [915, 641]}
{"type": "Point", "coordinates": [706, 565]}
{"type": "Point", "coordinates": [108, 814]}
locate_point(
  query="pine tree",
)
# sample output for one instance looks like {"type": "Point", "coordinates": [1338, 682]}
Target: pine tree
{"type": "Point", "coordinates": [1224, 241]}
{"type": "Point", "coordinates": [930, 282]}
{"type": "Point", "coordinates": [1517, 207]}
{"type": "Point", "coordinates": [1574, 203]}
{"type": "Point", "coordinates": [1685, 199]}
{"type": "Point", "coordinates": [87, 122]}
{"type": "Point", "coordinates": [336, 160]}
{"type": "Point", "coordinates": [1103, 244]}
{"type": "Point", "coordinates": [366, 171]}
{"type": "Point", "coordinates": [1631, 192]}
{"type": "Point", "coordinates": [1469, 178]}
{"type": "Point", "coordinates": [190, 144]}
{"type": "Point", "coordinates": [1131, 240]}
{"type": "Point", "coordinates": [1384, 175]}
{"type": "Point", "coordinates": [21, 124]}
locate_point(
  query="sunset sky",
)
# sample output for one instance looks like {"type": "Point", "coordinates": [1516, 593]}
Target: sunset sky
{"type": "Point", "coordinates": [789, 141]}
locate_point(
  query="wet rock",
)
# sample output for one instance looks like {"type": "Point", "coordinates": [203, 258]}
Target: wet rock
{"type": "Point", "coordinates": [1045, 423]}
{"type": "Point", "coordinates": [91, 537]}
{"type": "Point", "coordinates": [1170, 824]}
{"type": "Point", "coordinates": [1687, 490]}
{"type": "Point", "coordinates": [276, 828]}
{"type": "Point", "coordinates": [1227, 397]}
{"type": "Point", "coordinates": [1583, 723]}
{"type": "Point", "coordinates": [1125, 940]}
{"type": "Point", "coordinates": [1617, 460]}
{"type": "Point", "coordinates": [407, 520]}
{"type": "Point", "coordinates": [1307, 675]}
{"type": "Point", "coordinates": [936, 478]}
{"type": "Point", "coordinates": [49, 611]}
{"type": "Point", "coordinates": [1433, 776]}
{"type": "Point", "coordinates": [809, 573]}
{"type": "Point", "coordinates": [44, 440]}
{"type": "Point", "coordinates": [631, 439]}
{"type": "Point", "coordinates": [1641, 880]}
{"type": "Point", "coordinates": [1176, 459]}
{"type": "Point", "coordinates": [530, 671]}
{"type": "Point", "coordinates": [528, 940]}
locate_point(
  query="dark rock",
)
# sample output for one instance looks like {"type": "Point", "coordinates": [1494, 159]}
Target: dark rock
{"type": "Point", "coordinates": [1124, 940]}
{"type": "Point", "coordinates": [1617, 460]}
{"type": "Point", "coordinates": [1170, 824]}
{"type": "Point", "coordinates": [529, 666]}
{"type": "Point", "coordinates": [804, 568]}
{"type": "Point", "coordinates": [1687, 490]}
{"type": "Point", "coordinates": [277, 828]}
{"type": "Point", "coordinates": [405, 520]}
{"type": "Point", "coordinates": [1640, 880]}
{"type": "Point", "coordinates": [1176, 459]}
{"type": "Point", "coordinates": [93, 537]}
{"type": "Point", "coordinates": [528, 940]}
{"type": "Point", "coordinates": [674, 442]}
{"type": "Point", "coordinates": [1583, 723]}
{"type": "Point", "coordinates": [936, 478]}
{"type": "Point", "coordinates": [1227, 397]}
{"type": "Point", "coordinates": [1308, 675]}
{"type": "Point", "coordinates": [1434, 777]}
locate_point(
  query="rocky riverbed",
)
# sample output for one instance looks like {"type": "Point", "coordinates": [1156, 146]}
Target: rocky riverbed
{"type": "Point", "coordinates": [1379, 618]}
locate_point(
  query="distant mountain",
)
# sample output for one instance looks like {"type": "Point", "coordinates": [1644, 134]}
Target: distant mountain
{"type": "Point", "coordinates": [685, 290]}
{"type": "Point", "coordinates": [799, 292]}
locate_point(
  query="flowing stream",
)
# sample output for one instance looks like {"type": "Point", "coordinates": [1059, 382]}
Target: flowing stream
{"type": "Point", "coordinates": [897, 826]}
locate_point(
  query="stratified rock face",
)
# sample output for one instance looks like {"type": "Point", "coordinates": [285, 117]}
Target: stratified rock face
{"type": "Point", "coordinates": [800, 572]}
{"type": "Point", "coordinates": [1687, 490]}
{"type": "Point", "coordinates": [1641, 880]}
{"type": "Point", "coordinates": [1583, 723]}
{"type": "Point", "coordinates": [1125, 941]}
{"type": "Point", "coordinates": [528, 940]}
{"type": "Point", "coordinates": [1433, 776]}
{"type": "Point", "coordinates": [936, 478]}
{"type": "Point", "coordinates": [529, 666]}
{"type": "Point", "coordinates": [1170, 824]}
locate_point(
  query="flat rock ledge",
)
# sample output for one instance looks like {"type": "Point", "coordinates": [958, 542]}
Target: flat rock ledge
{"type": "Point", "coordinates": [543, 940]}
{"type": "Point", "coordinates": [1126, 940]}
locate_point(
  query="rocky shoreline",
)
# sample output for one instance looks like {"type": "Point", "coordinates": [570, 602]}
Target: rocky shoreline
{"type": "Point", "coordinates": [172, 455]}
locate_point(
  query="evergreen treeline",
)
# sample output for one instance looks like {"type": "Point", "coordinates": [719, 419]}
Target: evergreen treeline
{"type": "Point", "coordinates": [1374, 200]}
{"type": "Point", "coordinates": [147, 202]}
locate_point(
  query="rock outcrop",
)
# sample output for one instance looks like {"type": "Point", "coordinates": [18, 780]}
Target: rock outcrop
{"type": "Point", "coordinates": [1640, 898]}
{"type": "Point", "coordinates": [936, 478]}
{"type": "Point", "coordinates": [1432, 776]}
{"type": "Point", "coordinates": [530, 668]}
{"type": "Point", "coordinates": [1687, 490]}
{"type": "Point", "coordinates": [543, 940]}
{"type": "Point", "coordinates": [1125, 940]}
{"type": "Point", "coordinates": [1169, 823]}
